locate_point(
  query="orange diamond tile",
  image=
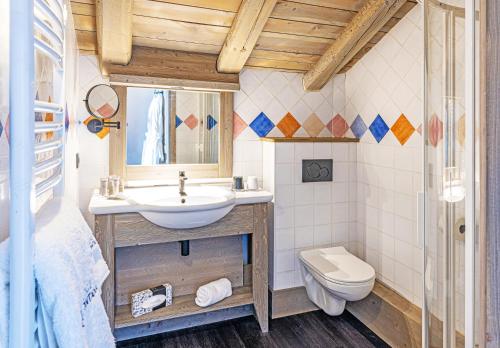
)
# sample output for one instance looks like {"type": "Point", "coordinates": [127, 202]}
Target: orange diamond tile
{"type": "Point", "coordinates": [313, 125]}
{"type": "Point", "coordinates": [239, 125]}
{"type": "Point", "coordinates": [49, 117]}
{"type": "Point", "coordinates": [402, 129]}
{"type": "Point", "coordinates": [288, 125]}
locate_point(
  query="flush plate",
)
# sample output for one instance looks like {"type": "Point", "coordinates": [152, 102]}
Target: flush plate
{"type": "Point", "coordinates": [317, 170]}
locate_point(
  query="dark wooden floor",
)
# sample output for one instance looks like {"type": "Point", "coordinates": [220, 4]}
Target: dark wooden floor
{"type": "Point", "coordinates": [314, 329]}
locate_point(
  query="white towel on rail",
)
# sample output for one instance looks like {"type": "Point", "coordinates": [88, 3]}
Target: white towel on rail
{"type": "Point", "coordinates": [213, 292]}
{"type": "Point", "coordinates": [70, 270]}
{"type": "Point", "coordinates": [4, 293]}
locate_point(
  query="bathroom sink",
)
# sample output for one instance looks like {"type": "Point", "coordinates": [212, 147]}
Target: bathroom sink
{"type": "Point", "coordinates": [164, 206]}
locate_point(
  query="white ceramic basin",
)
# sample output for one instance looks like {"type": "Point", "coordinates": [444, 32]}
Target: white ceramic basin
{"type": "Point", "coordinates": [165, 207]}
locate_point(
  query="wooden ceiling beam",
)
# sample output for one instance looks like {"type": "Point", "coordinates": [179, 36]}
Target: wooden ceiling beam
{"type": "Point", "coordinates": [242, 37]}
{"type": "Point", "coordinates": [363, 27]}
{"type": "Point", "coordinates": [114, 31]}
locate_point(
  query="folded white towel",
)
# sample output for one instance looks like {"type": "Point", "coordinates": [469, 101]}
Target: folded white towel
{"type": "Point", "coordinates": [69, 270]}
{"type": "Point", "coordinates": [213, 292]}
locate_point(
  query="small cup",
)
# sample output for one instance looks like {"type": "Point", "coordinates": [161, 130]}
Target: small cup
{"type": "Point", "coordinates": [252, 183]}
{"type": "Point", "coordinates": [238, 183]}
{"type": "Point", "coordinates": [103, 187]}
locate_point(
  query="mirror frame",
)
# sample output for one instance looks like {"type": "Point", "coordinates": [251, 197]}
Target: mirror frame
{"type": "Point", "coordinates": [162, 173]}
{"type": "Point", "coordinates": [86, 100]}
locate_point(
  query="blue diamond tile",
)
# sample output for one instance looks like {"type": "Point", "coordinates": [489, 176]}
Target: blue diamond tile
{"type": "Point", "coordinates": [211, 122]}
{"type": "Point", "coordinates": [262, 125]}
{"type": "Point", "coordinates": [178, 121]}
{"type": "Point", "coordinates": [379, 128]}
{"type": "Point", "coordinates": [358, 127]}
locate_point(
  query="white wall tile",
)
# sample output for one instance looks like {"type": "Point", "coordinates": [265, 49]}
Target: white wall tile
{"type": "Point", "coordinates": [322, 235]}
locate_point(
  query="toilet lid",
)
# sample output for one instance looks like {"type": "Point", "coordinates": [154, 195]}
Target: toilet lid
{"type": "Point", "coordinates": [338, 265]}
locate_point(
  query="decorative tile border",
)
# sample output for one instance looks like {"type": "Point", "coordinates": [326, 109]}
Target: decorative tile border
{"type": "Point", "coordinates": [192, 122]}
{"type": "Point", "coordinates": [288, 125]}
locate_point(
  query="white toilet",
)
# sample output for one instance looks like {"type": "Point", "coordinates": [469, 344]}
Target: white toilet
{"type": "Point", "coordinates": [333, 276]}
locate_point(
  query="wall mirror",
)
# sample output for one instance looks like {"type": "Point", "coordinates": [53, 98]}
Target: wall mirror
{"type": "Point", "coordinates": [168, 127]}
{"type": "Point", "coordinates": [168, 130]}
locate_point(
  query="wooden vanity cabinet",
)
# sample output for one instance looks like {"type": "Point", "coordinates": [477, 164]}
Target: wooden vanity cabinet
{"type": "Point", "coordinates": [128, 232]}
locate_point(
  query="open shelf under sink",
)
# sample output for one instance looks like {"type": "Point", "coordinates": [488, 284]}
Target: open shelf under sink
{"type": "Point", "coordinates": [182, 306]}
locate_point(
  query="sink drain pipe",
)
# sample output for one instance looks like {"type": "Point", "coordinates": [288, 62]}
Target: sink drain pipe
{"type": "Point", "coordinates": [184, 247]}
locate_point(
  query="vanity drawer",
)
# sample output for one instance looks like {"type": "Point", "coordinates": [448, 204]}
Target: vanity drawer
{"type": "Point", "coordinates": [132, 229]}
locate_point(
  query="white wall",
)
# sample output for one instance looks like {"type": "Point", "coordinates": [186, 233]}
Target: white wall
{"type": "Point", "coordinates": [94, 152]}
{"type": "Point", "coordinates": [387, 81]}
{"type": "Point", "coordinates": [308, 215]}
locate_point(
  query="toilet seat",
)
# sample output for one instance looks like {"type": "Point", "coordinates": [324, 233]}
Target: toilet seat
{"type": "Point", "coordinates": [336, 266]}
{"type": "Point", "coordinates": [333, 276]}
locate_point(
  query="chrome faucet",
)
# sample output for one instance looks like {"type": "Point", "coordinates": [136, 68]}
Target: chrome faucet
{"type": "Point", "coordinates": [182, 180]}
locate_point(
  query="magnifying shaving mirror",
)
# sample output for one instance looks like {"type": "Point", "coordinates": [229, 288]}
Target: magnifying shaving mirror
{"type": "Point", "coordinates": [102, 102]}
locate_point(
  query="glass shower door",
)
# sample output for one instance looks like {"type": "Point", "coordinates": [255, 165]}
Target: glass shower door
{"type": "Point", "coordinates": [448, 193]}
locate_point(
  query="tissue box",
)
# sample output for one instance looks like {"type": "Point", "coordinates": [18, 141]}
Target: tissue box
{"type": "Point", "coordinates": [151, 299]}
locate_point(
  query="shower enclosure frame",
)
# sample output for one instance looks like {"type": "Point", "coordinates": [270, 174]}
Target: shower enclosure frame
{"type": "Point", "coordinates": [470, 15]}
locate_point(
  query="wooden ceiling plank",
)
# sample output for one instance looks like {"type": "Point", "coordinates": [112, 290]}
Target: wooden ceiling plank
{"type": "Point", "coordinates": [165, 29]}
{"type": "Point", "coordinates": [86, 40]}
{"type": "Point", "coordinates": [244, 33]}
{"type": "Point", "coordinates": [82, 9]}
{"type": "Point", "coordinates": [350, 5]}
{"type": "Point", "coordinates": [292, 44]}
{"type": "Point", "coordinates": [276, 25]}
{"type": "Point", "coordinates": [224, 5]}
{"type": "Point", "coordinates": [405, 9]}
{"type": "Point", "coordinates": [91, 2]}
{"type": "Point", "coordinates": [311, 14]}
{"type": "Point", "coordinates": [278, 64]}
{"type": "Point", "coordinates": [114, 31]}
{"type": "Point", "coordinates": [176, 45]}
{"type": "Point", "coordinates": [367, 22]}
{"type": "Point", "coordinates": [86, 23]}
{"type": "Point", "coordinates": [183, 13]}
{"type": "Point", "coordinates": [284, 56]}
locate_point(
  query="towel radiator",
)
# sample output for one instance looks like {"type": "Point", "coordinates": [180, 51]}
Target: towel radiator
{"type": "Point", "coordinates": [36, 152]}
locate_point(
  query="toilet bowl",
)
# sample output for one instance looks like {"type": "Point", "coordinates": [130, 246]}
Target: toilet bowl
{"type": "Point", "coordinates": [333, 276]}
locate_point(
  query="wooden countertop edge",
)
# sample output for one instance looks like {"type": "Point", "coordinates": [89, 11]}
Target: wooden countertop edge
{"type": "Point", "coordinates": [311, 140]}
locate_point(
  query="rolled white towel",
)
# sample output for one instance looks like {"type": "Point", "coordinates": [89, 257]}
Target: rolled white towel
{"type": "Point", "coordinates": [213, 292]}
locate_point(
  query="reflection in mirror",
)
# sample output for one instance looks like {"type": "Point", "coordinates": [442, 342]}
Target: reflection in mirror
{"type": "Point", "coordinates": [102, 101]}
{"type": "Point", "coordinates": [166, 126]}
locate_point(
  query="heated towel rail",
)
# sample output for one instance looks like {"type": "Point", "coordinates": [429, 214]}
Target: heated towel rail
{"type": "Point", "coordinates": [36, 151]}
